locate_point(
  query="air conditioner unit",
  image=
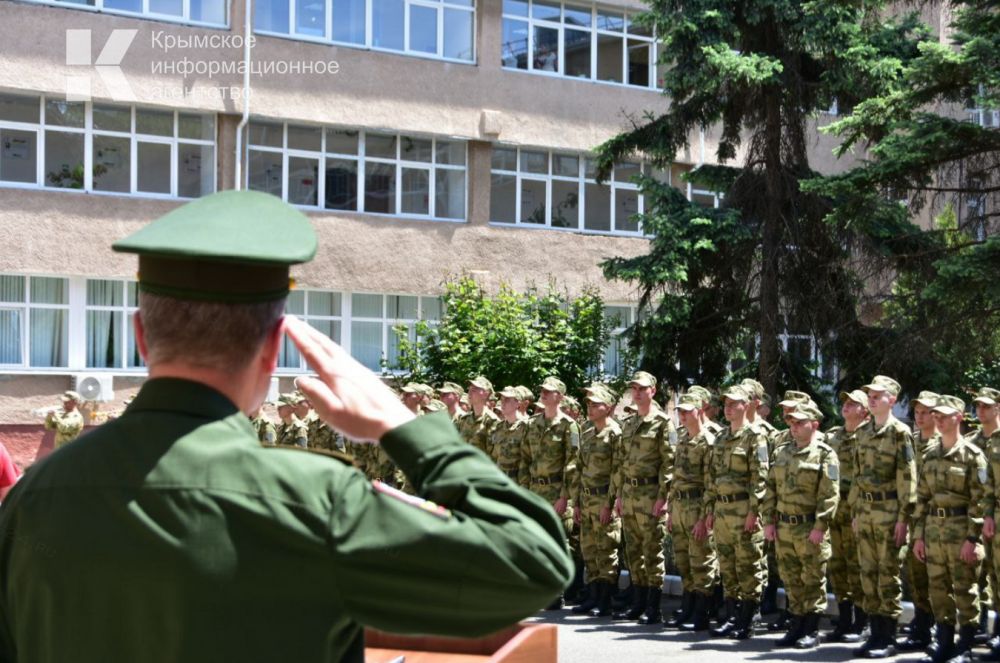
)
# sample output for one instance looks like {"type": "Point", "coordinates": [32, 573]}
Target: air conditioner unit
{"type": "Point", "coordinates": [94, 386]}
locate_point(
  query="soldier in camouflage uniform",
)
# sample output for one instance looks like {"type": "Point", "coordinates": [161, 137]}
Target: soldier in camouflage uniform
{"type": "Point", "coordinates": [694, 548]}
{"type": "Point", "coordinates": [476, 426]}
{"type": "Point", "coordinates": [845, 570]}
{"type": "Point", "coordinates": [882, 499]}
{"type": "Point", "coordinates": [590, 489]}
{"type": "Point", "coordinates": [291, 431]}
{"type": "Point", "coordinates": [708, 398]}
{"type": "Point", "coordinates": [267, 435]}
{"type": "Point", "coordinates": [450, 393]}
{"type": "Point", "coordinates": [321, 435]}
{"type": "Point", "coordinates": [642, 481]}
{"type": "Point", "coordinates": [803, 488]}
{"type": "Point", "coordinates": [67, 423]}
{"type": "Point", "coordinates": [987, 401]}
{"type": "Point", "coordinates": [756, 392]}
{"type": "Point", "coordinates": [508, 436]}
{"type": "Point", "coordinates": [733, 499]}
{"type": "Point", "coordinates": [947, 530]}
{"type": "Point", "coordinates": [526, 397]}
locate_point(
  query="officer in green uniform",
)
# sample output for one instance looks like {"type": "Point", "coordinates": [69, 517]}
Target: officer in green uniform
{"type": "Point", "coordinates": [882, 499]}
{"type": "Point", "coordinates": [68, 424]}
{"type": "Point", "coordinates": [987, 401]}
{"type": "Point", "coordinates": [845, 571]}
{"type": "Point", "coordinates": [694, 549]}
{"type": "Point", "coordinates": [266, 433]}
{"type": "Point", "coordinates": [185, 540]}
{"type": "Point", "coordinates": [642, 482]}
{"type": "Point", "coordinates": [948, 525]}
{"type": "Point", "coordinates": [292, 431]}
{"type": "Point", "coordinates": [508, 436]}
{"type": "Point", "coordinates": [476, 426]}
{"type": "Point", "coordinates": [590, 489]}
{"type": "Point", "coordinates": [803, 488]}
{"type": "Point", "coordinates": [733, 500]}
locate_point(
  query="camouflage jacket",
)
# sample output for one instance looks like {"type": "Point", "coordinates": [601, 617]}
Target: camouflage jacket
{"type": "Point", "coordinates": [267, 435]}
{"type": "Point", "coordinates": [739, 465]}
{"type": "Point", "coordinates": [295, 433]}
{"type": "Point", "coordinates": [803, 481]}
{"type": "Point", "coordinates": [67, 425]}
{"type": "Point", "coordinates": [991, 449]}
{"type": "Point", "coordinates": [844, 444]}
{"type": "Point", "coordinates": [595, 463]}
{"type": "Point", "coordinates": [884, 462]}
{"type": "Point", "coordinates": [505, 443]}
{"type": "Point", "coordinates": [321, 436]}
{"type": "Point", "coordinates": [477, 431]}
{"type": "Point", "coordinates": [692, 464]}
{"type": "Point", "coordinates": [953, 478]}
{"type": "Point", "coordinates": [647, 454]}
{"type": "Point", "coordinates": [548, 451]}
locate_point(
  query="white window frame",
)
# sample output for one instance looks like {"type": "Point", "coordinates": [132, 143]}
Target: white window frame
{"type": "Point", "coordinates": [24, 309]}
{"type": "Point", "coordinates": [628, 17]}
{"type": "Point", "coordinates": [126, 330]}
{"type": "Point", "coordinates": [616, 333]}
{"type": "Point", "coordinates": [327, 38]}
{"type": "Point", "coordinates": [184, 18]}
{"type": "Point", "coordinates": [41, 127]}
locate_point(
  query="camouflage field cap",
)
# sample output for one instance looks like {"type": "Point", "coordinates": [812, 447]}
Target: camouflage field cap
{"type": "Point", "coordinates": [482, 383]}
{"type": "Point", "coordinates": [434, 405]}
{"type": "Point", "coordinates": [291, 399]}
{"type": "Point", "coordinates": [553, 383]}
{"type": "Point", "coordinates": [68, 396]}
{"type": "Point", "coordinates": [948, 405]}
{"type": "Point", "coordinates": [753, 388]}
{"type": "Point", "coordinates": [856, 395]}
{"type": "Point", "coordinates": [927, 398]}
{"type": "Point", "coordinates": [701, 392]}
{"type": "Point", "coordinates": [510, 392]}
{"type": "Point", "coordinates": [451, 388]}
{"type": "Point", "coordinates": [229, 247]}
{"type": "Point", "coordinates": [599, 394]}
{"type": "Point", "coordinates": [571, 403]}
{"type": "Point", "coordinates": [736, 393]}
{"type": "Point", "coordinates": [806, 411]}
{"type": "Point", "coordinates": [793, 398]}
{"type": "Point", "coordinates": [524, 393]}
{"type": "Point", "coordinates": [883, 383]}
{"type": "Point", "coordinates": [987, 395]}
{"type": "Point", "coordinates": [643, 379]}
{"type": "Point", "coordinates": [413, 388]}
{"type": "Point", "coordinates": [690, 401]}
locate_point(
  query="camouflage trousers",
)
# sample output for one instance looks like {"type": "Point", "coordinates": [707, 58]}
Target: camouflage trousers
{"type": "Point", "coordinates": [550, 493]}
{"type": "Point", "coordinates": [916, 576]}
{"type": "Point", "coordinates": [695, 559]}
{"type": "Point", "coordinates": [954, 585]}
{"type": "Point", "coordinates": [644, 533]}
{"type": "Point", "coordinates": [599, 543]}
{"type": "Point", "coordinates": [878, 556]}
{"type": "Point", "coordinates": [987, 579]}
{"type": "Point", "coordinates": [802, 565]}
{"type": "Point", "coordinates": [845, 570]}
{"type": "Point", "coordinates": [740, 553]}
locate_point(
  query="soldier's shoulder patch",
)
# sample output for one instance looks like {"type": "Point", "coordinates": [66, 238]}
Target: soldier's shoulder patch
{"type": "Point", "coordinates": [833, 471]}
{"type": "Point", "coordinates": [414, 501]}
{"type": "Point", "coordinates": [762, 453]}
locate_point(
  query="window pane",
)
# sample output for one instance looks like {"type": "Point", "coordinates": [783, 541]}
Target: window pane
{"type": "Point", "coordinates": [104, 292]}
{"type": "Point", "coordinates": [153, 168]}
{"type": "Point", "coordinates": [449, 194]}
{"type": "Point", "coordinates": [302, 180]}
{"type": "Point", "coordinates": [289, 356]}
{"type": "Point", "coordinates": [366, 343]}
{"type": "Point", "coordinates": [415, 149]}
{"type": "Point", "coordinates": [380, 188]}
{"type": "Point", "coordinates": [324, 303]}
{"type": "Point", "coordinates": [266, 134]}
{"type": "Point", "coordinates": [124, 5]}
{"type": "Point", "coordinates": [209, 11]}
{"type": "Point", "coordinates": [609, 58]}
{"type": "Point", "coordinates": [341, 142]}
{"type": "Point", "coordinates": [329, 328]}
{"type": "Point", "coordinates": [545, 10]}
{"type": "Point", "coordinates": [18, 156]}
{"type": "Point", "coordinates": [103, 341]}
{"type": "Point", "coordinates": [64, 114]}
{"type": "Point", "coordinates": [264, 172]}
{"type": "Point", "coordinates": [112, 118]}
{"type": "Point", "coordinates": [458, 34]}
{"type": "Point", "coordinates": [626, 207]}
{"type": "Point", "coordinates": [132, 294]}
{"type": "Point", "coordinates": [12, 289]}
{"type": "Point", "coordinates": [625, 171]}
{"type": "Point", "coordinates": [380, 145]}
{"type": "Point", "coordinates": [387, 24]}
{"type": "Point", "coordinates": [638, 62]}
{"type": "Point", "coordinates": [514, 48]}
{"type": "Point", "coordinates": [416, 191]}
{"type": "Point", "coordinates": [515, 7]}
{"type": "Point", "coordinates": [619, 316]}
{"type": "Point", "coordinates": [576, 45]}
{"type": "Point", "coordinates": [535, 162]}
{"type": "Point", "coordinates": [49, 290]}
{"type": "Point", "coordinates": [112, 164]}
{"type": "Point", "coordinates": [195, 170]}
{"type": "Point", "coordinates": [565, 204]}
{"type": "Point", "coordinates": [63, 160]}
{"type": "Point", "coordinates": [198, 127]}
{"type": "Point", "coordinates": [169, 7]}
{"type": "Point", "coordinates": [577, 16]}
{"type": "Point", "coordinates": [430, 308]}
{"type": "Point", "coordinates": [156, 123]}
{"type": "Point", "coordinates": [546, 49]}
{"type": "Point", "coordinates": [400, 307]}
{"type": "Point", "coordinates": [566, 165]}
{"type": "Point", "coordinates": [503, 192]}
{"type": "Point", "coordinates": [132, 357]}
{"type": "Point", "coordinates": [342, 184]}
{"type": "Point", "coordinates": [271, 16]}
{"type": "Point", "coordinates": [16, 108]}
{"type": "Point", "coordinates": [296, 302]}
{"type": "Point", "coordinates": [310, 17]}
{"type": "Point", "coordinates": [451, 153]}
{"type": "Point", "coordinates": [597, 213]}
{"type": "Point", "coordinates": [532, 201]}
{"type": "Point", "coordinates": [504, 158]}
{"type": "Point", "coordinates": [392, 356]}
{"type": "Point", "coordinates": [304, 138]}
{"type": "Point", "coordinates": [366, 306]}
{"type": "Point", "coordinates": [610, 21]}
{"type": "Point", "coordinates": [423, 29]}
{"type": "Point", "coordinates": [349, 21]}
{"type": "Point", "coordinates": [10, 337]}
{"type": "Point", "coordinates": [48, 337]}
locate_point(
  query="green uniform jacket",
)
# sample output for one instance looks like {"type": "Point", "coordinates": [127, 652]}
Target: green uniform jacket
{"type": "Point", "coordinates": [884, 461]}
{"type": "Point", "coordinates": [172, 535]}
{"type": "Point", "coordinates": [953, 478]}
{"type": "Point", "coordinates": [739, 465]}
{"type": "Point", "coordinates": [595, 464]}
{"type": "Point", "coordinates": [803, 481]}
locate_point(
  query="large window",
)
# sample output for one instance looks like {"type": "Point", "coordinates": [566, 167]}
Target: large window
{"type": "Point", "coordinates": [321, 309]}
{"type": "Point", "coordinates": [34, 321]}
{"type": "Point", "coordinates": [199, 12]}
{"type": "Point", "coordinates": [110, 309]}
{"type": "Point", "coordinates": [549, 189]}
{"type": "Point", "coordinates": [578, 41]}
{"type": "Point", "coordinates": [338, 169]}
{"type": "Point", "coordinates": [622, 317]}
{"type": "Point", "coordinates": [105, 148]}
{"type": "Point", "coordinates": [429, 28]}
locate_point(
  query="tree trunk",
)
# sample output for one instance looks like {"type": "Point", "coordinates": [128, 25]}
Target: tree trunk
{"type": "Point", "coordinates": [771, 234]}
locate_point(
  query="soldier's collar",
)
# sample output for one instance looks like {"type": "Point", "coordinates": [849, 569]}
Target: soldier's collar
{"type": "Point", "coordinates": [180, 395]}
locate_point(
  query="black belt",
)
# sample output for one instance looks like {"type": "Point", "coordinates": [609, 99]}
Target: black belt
{"type": "Point", "coordinates": [949, 512]}
{"type": "Point", "coordinates": [797, 520]}
{"type": "Point", "coordinates": [879, 497]}
{"type": "Point", "coordinates": [690, 494]}
{"type": "Point", "coordinates": [642, 482]}
{"type": "Point", "coordinates": [548, 481]}
{"type": "Point", "coordinates": [512, 473]}
{"type": "Point", "coordinates": [596, 490]}
{"type": "Point", "coordinates": [735, 497]}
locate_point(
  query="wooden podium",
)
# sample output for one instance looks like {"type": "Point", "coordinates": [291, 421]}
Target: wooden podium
{"type": "Point", "coordinates": [523, 643]}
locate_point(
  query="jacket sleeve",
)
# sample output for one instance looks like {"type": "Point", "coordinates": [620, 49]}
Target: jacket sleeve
{"type": "Point", "coordinates": [828, 491]}
{"type": "Point", "coordinates": [906, 476]}
{"type": "Point", "coordinates": [666, 471]}
{"type": "Point", "coordinates": [758, 458]}
{"type": "Point", "coordinates": [923, 498]}
{"type": "Point", "coordinates": [571, 442]}
{"type": "Point", "coordinates": [483, 555]}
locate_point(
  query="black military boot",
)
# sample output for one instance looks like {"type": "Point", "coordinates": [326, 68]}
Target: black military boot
{"type": "Point", "coordinates": [860, 630]}
{"type": "Point", "coordinates": [683, 613]}
{"type": "Point", "coordinates": [603, 607]}
{"type": "Point", "coordinates": [779, 624]}
{"type": "Point", "coordinates": [699, 614]}
{"type": "Point", "coordinates": [810, 632]}
{"type": "Point", "coordinates": [638, 605]}
{"type": "Point", "coordinates": [652, 615]}
{"type": "Point", "coordinates": [886, 646]}
{"type": "Point", "coordinates": [944, 644]}
{"type": "Point", "coordinates": [966, 641]}
{"type": "Point", "coordinates": [874, 637]}
{"type": "Point", "coordinates": [729, 622]}
{"type": "Point", "coordinates": [744, 625]}
{"type": "Point", "coordinates": [845, 622]}
{"type": "Point", "coordinates": [621, 599]}
{"type": "Point", "coordinates": [769, 603]}
{"type": "Point", "coordinates": [588, 603]}
{"type": "Point", "coordinates": [718, 603]}
{"type": "Point", "coordinates": [795, 625]}
{"type": "Point", "coordinates": [576, 590]}
{"type": "Point", "coordinates": [920, 632]}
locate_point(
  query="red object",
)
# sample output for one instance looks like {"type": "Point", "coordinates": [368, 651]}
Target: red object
{"type": "Point", "coordinates": [9, 473]}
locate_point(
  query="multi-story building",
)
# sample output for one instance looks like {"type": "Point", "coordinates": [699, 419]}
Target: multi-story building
{"type": "Point", "coordinates": [424, 138]}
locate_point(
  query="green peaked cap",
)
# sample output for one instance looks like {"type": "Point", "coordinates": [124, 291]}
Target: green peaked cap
{"type": "Point", "coordinates": [231, 246]}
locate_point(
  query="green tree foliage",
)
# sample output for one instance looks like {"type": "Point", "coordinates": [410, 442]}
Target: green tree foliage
{"type": "Point", "coordinates": [510, 337]}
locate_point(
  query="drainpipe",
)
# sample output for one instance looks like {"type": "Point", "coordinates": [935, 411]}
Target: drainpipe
{"type": "Point", "coordinates": [248, 10]}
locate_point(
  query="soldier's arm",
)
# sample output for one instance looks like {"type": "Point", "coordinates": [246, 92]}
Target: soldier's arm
{"type": "Point", "coordinates": [906, 476]}
{"type": "Point", "coordinates": [989, 504]}
{"type": "Point", "coordinates": [524, 467]}
{"type": "Point", "coordinates": [576, 476]}
{"type": "Point", "coordinates": [615, 440]}
{"type": "Point", "coordinates": [708, 502]}
{"type": "Point", "coordinates": [758, 459]}
{"type": "Point", "coordinates": [50, 421]}
{"type": "Point", "coordinates": [302, 436]}
{"type": "Point", "coordinates": [769, 505]}
{"type": "Point", "coordinates": [666, 471]}
{"type": "Point", "coordinates": [828, 491]}
{"type": "Point", "coordinates": [617, 460]}
{"type": "Point", "coordinates": [571, 446]}
{"type": "Point", "coordinates": [920, 510]}
{"type": "Point", "coordinates": [705, 466]}
{"type": "Point", "coordinates": [855, 460]}
{"type": "Point", "coordinates": [977, 483]}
